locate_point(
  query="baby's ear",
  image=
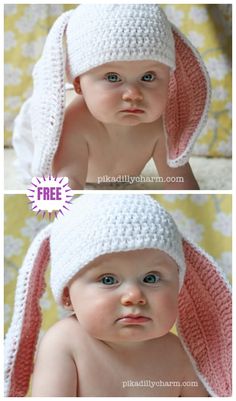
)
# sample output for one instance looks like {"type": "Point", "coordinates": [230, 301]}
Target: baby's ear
{"type": "Point", "coordinates": [77, 87]}
{"type": "Point", "coordinates": [66, 299]}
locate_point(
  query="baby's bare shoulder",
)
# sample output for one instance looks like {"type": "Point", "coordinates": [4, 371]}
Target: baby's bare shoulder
{"type": "Point", "coordinates": [194, 386]}
{"type": "Point", "coordinates": [65, 325]}
{"type": "Point", "coordinates": [176, 356]}
{"type": "Point", "coordinates": [177, 352]}
{"type": "Point", "coordinates": [174, 344]}
{"type": "Point", "coordinates": [55, 372]}
{"type": "Point", "coordinates": [58, 334]}
{"type": "Point", "coordinates": [180, 367]}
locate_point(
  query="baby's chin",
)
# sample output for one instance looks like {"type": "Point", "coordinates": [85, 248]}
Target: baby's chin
{"type": "Point", "coordinates": [130, 120]}
{"type": "Point", "coordinates": [130, 335]}
{"type": "Point", "coordinates": [138, 119]}
{"type": "Point", "coordinates": [129, 341]}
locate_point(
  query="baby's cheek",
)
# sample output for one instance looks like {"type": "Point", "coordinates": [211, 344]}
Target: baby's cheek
{"type": "Point", "coordinates": [97, 316]}
{"type": "Point", "coordinates": [100, 109]}
{"type": "Point", "coordinates": [168, 309]}
{"type": "Point", "coordinates": [169, 300]}
{"type": "Point", "coordinates": [160, 97]}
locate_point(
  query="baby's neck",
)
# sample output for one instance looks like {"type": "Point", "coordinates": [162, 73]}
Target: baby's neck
{"type": "Point", "coordinates": [131, 347]}
{"type": "Point", "coordinates": [118, 130]}
{"type": "Point", "coordinates": [114, 130]}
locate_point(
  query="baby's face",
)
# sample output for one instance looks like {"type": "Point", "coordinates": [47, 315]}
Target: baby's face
{"type": "Point", "coordinates": [126, 93]}
{"type": "Point", "coordinates": [127, 296]}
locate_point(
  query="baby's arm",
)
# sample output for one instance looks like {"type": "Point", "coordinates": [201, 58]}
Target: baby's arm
{"type": "Point", "coordinates": [71, 158]}
{"type": "Point", "coordinates": [160, 159]}
{"type": "Point", "coordinates": [55, 373]}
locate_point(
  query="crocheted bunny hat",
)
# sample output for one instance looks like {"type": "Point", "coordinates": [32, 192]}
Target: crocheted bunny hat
{"type": "Point", "coordinates": [100, 224]}
{"type": "Point", "coordinates": [100, 33]}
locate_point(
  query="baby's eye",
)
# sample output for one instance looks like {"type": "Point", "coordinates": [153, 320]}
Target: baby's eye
{"type": "Point", "coordinates": [151, 278]}
{"type": "Point", "coordinates": [112, 77]}
{"type": "Point", "coordinates": [108, 280]}
{"type": "Point", "coordinates": [149, 77]}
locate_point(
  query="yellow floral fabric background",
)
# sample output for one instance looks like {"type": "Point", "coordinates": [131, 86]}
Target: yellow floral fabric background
{"type": "Point", "coordinates": [204, 219]}
{"type": "Point", "coordinates": [207, 26]}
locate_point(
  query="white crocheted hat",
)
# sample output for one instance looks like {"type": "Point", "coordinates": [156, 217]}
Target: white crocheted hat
{"type": "Point", "coordinates": [103, 224]}
{"type": "Point", "coordinates": [97, 34]}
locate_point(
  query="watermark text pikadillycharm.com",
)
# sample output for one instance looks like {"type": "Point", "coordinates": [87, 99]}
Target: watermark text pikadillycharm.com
{"type": "Point", "coordinates": [159, 383]}
{"type": "Point", "coordinates": [49, 195]}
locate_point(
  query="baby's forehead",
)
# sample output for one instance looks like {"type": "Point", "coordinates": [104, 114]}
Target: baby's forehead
{"type": "Point", "coordinates": [137, 259]}
{"type": "Point", "coordinates": [133, 64]}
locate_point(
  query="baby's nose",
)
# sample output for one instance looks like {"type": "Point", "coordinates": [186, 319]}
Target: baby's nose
{"type": "Point", "coordinates": [132, 295]}
{"type": "Point", "coordinates": [132, 93]}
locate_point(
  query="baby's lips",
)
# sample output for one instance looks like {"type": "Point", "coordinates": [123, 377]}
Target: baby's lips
{"type": "Point", "coordinates": [132, 318]}
{"type": "Point", "coordinates": [135, 111]}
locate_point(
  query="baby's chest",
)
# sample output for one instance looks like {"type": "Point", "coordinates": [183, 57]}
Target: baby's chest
{"type": "Point", "coordinates": [120, 155]}
{"type": "Point", "coordinates": [103, 378]}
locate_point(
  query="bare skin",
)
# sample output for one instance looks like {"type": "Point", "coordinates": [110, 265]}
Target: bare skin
{"type": "Point", "coordinates": [100, 137]}
{"type": "Point", "coordinates": [98, 352]}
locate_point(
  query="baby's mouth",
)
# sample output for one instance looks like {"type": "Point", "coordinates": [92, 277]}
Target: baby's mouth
{"type": "Point", "coordinates": [133, 111]}
{"type": "Point", "coordinates": [133, 319]}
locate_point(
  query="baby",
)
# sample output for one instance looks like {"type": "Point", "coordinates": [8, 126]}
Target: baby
{"type": "Point", "coordinates": [120, 265]}
{"type": "Point", "coordinates": [142, 93]}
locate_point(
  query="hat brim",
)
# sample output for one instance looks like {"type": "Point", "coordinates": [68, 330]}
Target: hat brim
{"type": "Point", "coordinates": [205, 320]}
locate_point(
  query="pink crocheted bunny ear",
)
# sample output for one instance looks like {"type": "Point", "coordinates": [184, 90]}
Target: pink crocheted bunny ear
{"type": "Point", "coordinates": [188, 101]}
{"type": "Point", "coordinates": [48, 100]}
{"type": "Point", "coordinates": [205, 320]}
{"type": "Point", "coordinates": [21, 339]}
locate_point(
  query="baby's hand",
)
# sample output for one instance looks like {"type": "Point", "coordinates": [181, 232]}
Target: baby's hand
{"type": "Point", "coordinates": [75, 184]}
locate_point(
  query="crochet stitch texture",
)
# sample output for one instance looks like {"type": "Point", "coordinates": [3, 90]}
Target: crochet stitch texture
{"type": "Point", "coordinates": [22, 336]}
{"type": "Point", "coordinates": [100, 33]}
{"type": "Point", "coordinates": [107, 224]}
